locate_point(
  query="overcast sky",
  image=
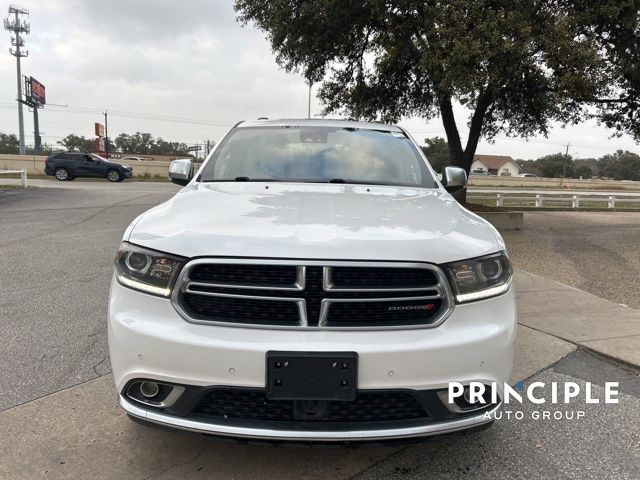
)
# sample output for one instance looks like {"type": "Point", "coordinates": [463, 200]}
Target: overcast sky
{"type": "Point", "coordinates": [147, 60]}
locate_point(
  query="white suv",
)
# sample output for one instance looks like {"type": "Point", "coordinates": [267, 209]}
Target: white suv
{"type": "Point", "coordinates": [312, 282]}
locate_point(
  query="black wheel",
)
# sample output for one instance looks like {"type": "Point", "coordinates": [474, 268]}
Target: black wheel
{"type": "Point", "coordinates": [62, 174]}
{"type": "Point", "coordinates": [71, 179]}
{"type": "Point", "coordinates": [114, 175]}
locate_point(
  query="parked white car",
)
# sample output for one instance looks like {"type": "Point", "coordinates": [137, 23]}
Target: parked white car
{"type": "Point", "coordinates": [313, 281]}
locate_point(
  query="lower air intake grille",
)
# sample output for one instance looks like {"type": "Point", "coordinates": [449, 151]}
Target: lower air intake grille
{"type": "Point", "coordinates": [252, 404]}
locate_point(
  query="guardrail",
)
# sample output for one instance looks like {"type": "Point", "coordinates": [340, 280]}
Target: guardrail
{"type": "Point", "coordinates": [23, 175]}
{"type": "Point", "coordinates": [537, 200]}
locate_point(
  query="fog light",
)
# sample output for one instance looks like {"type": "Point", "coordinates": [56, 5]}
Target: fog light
{"type": "Point", "coordinates": [149, 389]}
{"type": "Point", "coordinates": [463, 403]}
{"type": "Point", "coordinates": [154, 394]}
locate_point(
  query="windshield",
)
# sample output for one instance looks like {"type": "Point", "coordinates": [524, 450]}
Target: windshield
{"type": "Point", "coordinates": [318, 154]}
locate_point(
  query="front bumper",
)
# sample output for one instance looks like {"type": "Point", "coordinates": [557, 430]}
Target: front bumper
{"type": "Point", "coordinates": [220, 429]}
{"type": "Point", "coordinates": [149, 340]}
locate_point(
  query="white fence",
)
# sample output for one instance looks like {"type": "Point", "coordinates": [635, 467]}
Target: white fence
{"type": "Point", "coordinates": [23, 175]}
{"type": "Point", "coordinates": [539, 199]}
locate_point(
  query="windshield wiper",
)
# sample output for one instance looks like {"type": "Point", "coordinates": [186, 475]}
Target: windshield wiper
{"type": "Point", "coordinates": [337, 180]}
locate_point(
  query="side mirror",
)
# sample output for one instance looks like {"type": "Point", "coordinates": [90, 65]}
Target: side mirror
{"type": "Point", "coordinates": [454, 179]}
{"type": "Point", "coordinates": [181, 171]}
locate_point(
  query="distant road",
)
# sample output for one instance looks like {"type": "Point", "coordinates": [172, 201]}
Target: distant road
{"type": "Point", "coordinates": [97, 184]}
{"type": "Point", "coordinates": [553, 191]}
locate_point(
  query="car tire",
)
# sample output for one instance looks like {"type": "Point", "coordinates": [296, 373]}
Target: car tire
{"type": "Point", "coordinates": [71, 179]}
{"type": "Point", "coordinates": [62, 174]}
{"type": "Point", "coordinates": [114, 175]}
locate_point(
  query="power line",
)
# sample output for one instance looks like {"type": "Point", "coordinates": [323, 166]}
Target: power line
{"type": "Point", "coordinates": [142, 116]}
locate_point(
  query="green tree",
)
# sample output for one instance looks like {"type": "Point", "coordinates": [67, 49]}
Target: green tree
{"type": "Point", "coordinates": [9, 143]}
{"type": "Point", "coordinates": [582, 172]}
{"type": "Point", "coordinates": [516, 65]}
{"type": "Point", "coordinates": [146, 144]}
{"type": "Point", "coordinates": [78, 143]}
{"type": "Point", "coordinates": [622, 165]}
{"type": "Point", "coordinates": [437, 152]}
{"type": "Point", "coordinates": [162, 147]}
{"type": "Point", "coordinates": [556, 165]}
{"type": "Point", "coordinates": [139, 142]}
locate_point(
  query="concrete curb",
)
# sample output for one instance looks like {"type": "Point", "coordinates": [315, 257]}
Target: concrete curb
{"type": "Point", "coordinates": [504, 220]}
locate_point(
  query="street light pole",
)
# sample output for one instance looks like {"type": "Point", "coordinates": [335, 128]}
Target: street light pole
{"type": "Point", "coordinates": [309, 105]}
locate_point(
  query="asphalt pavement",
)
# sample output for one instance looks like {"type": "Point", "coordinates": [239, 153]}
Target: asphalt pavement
{"type": "Point", "coordinates": [602, 444]}
{"type": "Point", "coordinates": [58, 412]}
{"type": "Point", "coordinates": [598, 252]}
{"type": "Point", "coordinates": [56, 250]}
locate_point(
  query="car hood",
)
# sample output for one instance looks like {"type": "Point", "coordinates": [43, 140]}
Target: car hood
{"type": "Point", "coordinates": [314, 221]}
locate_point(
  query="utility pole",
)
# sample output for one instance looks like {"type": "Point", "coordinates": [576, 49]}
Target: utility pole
{"type": "Point", "coordinates": [106, 135]}
{"type": "Point", "coordinates": [309, 105]}
{"type": "Point", "coordinates": [564, 160]}
{"type": "Point", "coordinates": [18, 26]}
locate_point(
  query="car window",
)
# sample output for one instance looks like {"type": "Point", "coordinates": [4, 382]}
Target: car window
{"type": "Point", "coordinates": [318, 154]}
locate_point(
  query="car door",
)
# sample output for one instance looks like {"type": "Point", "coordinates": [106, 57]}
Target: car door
{"type": "Point", "coordinates": [93, 166]}
{"type": "Point", "coordinates": [74, 163]}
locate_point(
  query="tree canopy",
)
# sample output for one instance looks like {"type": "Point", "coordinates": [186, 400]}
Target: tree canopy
{"type": "Point", "coordinates": [9, 143]}
{"type": "Point", "coordinates": [516, 65]}
{"type": "Point", "coordinates": [437, 152]}
{"type": "Point", "coordinates": [139, 142]}
{"type": "Point", "coordinates": [78, 143]}
{"type": "Point", "coordinates": [622, 165]}
{"type": "Point", "coordinates": [145, 143]}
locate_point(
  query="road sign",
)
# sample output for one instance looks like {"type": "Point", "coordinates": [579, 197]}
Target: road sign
{"type": "Point", "coordinates": [195, 148]}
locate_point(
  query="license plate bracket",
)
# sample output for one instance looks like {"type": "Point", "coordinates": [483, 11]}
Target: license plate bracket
{"type": "Point", "coordinates": [312, 375]}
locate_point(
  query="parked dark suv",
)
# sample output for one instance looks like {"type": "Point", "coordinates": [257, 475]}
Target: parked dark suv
{"type": "Point", "coordinates": [69, 165]}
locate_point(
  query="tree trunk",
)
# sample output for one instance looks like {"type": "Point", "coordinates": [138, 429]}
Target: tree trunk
{"type": "Point", "coordinates": [459, 157]}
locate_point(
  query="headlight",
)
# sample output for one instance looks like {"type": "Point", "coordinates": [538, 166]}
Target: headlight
{"type": "Point", "coordinates": [479, 278]}
{"type": "Point", "coordinates": [147, 270]}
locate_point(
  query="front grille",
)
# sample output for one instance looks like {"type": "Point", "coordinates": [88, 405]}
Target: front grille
{"type": "Point", "coordinates": [375, 277]}
{"type": "Point", "coordinates": [234, 274]}
{"type": "Point", "coordinates": [242, 310]}
{"type": "Point", "coordinates": [252, 404]}
{"type": "Point", "coordinates": [405, 312]}
{"type": "Point", "coordinates": [308, 295]}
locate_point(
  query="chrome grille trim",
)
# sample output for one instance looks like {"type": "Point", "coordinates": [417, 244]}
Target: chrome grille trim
{"type": "Point", "coordinates": [441, 291]}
